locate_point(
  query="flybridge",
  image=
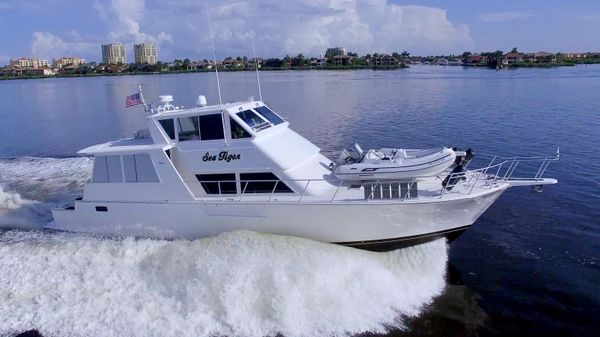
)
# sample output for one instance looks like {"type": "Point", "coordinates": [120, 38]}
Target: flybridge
{"type": "Point", "coordinates": [226, 122]}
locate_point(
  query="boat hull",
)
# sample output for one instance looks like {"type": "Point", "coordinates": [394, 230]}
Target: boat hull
{"type": "Point", "coordinates": [369, 225]}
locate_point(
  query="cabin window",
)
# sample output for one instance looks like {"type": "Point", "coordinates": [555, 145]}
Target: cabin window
{"type": "Point", "coordinates": [222, 183]}
{"type": "Point", "coordinates": [188, 128]}
{"type": "Point", "coordinates": [237, 131]}
{"type": "Point", "coordinates": [139, 168]}
{"type": "Point", "coordinates": [107, 169]}
{"type": "Point", "coordinates": [264, 182]}
{"type": "Point", "coordinates": [211, 127]}
{"type": "Point", "coordinates": [113, 163]}
{"type": "Point", "coordinates": [100, 174]}
{"type": "Point", "coordinates": [129, 168]}
{"type": "Point", "coordinates": [169, 126]}
{"type": "Point", "coordinates": [253, 120]}
{"type": "Point", "coordinates": [269, 115]}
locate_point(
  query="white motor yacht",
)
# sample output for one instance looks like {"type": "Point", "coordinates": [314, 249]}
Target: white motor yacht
{"type": "Point", "coordinates": [206, 170]}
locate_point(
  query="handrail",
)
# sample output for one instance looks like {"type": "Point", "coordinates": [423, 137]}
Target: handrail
{"type": "Point", "coordinates": [480, 178]}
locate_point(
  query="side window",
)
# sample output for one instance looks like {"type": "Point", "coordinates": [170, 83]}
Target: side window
{"type": "Point", "coordinates": [100, 174]}
{"type": "Point", "coordinates": [129, 168]}
{"type": "Point", "coordinates": [188, 128]}
{"type": "Point", "coordinates": [211, 127]}
{"type": "Point", "coordinates": [113, 164]}
{"type": "Point", "coordinates": [144, 169]}
{"type": "Point", "coordinates": [269, 115]}
{"type": "Point", "coordinates": [223, 183]}
{"type": "Point", "coordinates": [237, 131]}
{"type": "Point", "coordinates": [168, 126]}
{"type": "Point", "coordinates": [264, 182]}
{"type": "Point", "coordinates": [139, 168]}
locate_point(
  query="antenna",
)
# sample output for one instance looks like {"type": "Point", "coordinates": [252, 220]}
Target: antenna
{"type": "Point", "coordinates": [212, 42]}
{"type": "Point", "coordinates": [254, 54]}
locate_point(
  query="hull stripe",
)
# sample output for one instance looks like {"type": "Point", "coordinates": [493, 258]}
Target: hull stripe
{"type": "Point", "coordinates": [406, 241]}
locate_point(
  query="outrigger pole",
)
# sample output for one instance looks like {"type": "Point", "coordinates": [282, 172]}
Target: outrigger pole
{"type": "Point", "coordinates": [254, 54]}
{"type": "Point", "coordinates": [212, 42]}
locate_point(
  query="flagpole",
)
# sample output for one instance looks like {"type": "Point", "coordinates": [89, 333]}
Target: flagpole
{"type": "Point", "coordinates": [143, 100]}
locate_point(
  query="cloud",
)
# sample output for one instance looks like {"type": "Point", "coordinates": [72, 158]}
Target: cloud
{"type": "Point", "coordinates": [48, 45]}
{"type": "Point", "coordinates": [504, 16]}
{"type": "Point", "coordinates": [124, 17]}
{"type": "Point", "coordinates": [291, 27]}
{"type": "Point", "coordinates": [280, 27]}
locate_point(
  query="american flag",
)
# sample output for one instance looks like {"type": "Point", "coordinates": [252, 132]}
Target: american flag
{"type": "Point", "coordinates": [132, 100]}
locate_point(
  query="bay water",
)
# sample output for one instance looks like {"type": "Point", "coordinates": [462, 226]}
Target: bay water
{"type": "Point", "coordinates": [529, 266]}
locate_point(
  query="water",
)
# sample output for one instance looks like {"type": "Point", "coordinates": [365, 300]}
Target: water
{"type": "Point", "coordinates": [529, 266]}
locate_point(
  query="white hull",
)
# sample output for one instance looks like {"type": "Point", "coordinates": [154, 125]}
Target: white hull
{"type": "Point", "coordinates": [238, 166]}
{"type": "Point", "coordinates": [328, 222]}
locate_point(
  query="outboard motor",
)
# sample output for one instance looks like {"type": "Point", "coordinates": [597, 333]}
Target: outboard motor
{"type": "Point", "coordinates": [344, 158]}
{"type": "Point", "coordinates": [358, 151]}
{"type": "Point", "coordinates": [454, 177]}
{"type": "Point", "coordinates": [464, 157]}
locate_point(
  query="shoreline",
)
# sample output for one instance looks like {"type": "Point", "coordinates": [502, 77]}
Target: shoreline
{"type": "Point", "coordinates": [328, 68]}
{"type": "Point", "coordinates": [132, 73]}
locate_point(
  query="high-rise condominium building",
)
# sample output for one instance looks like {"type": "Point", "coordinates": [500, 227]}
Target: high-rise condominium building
{"type": "Point", "coordinates": [145, 53]}
{"type": "Point", "coordinates": [114, 53]}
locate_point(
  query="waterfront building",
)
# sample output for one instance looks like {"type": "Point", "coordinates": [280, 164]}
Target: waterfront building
{"type": "Point", "coordinates": [28, 62]}
{"type": "Point", "coordinates": [145, 53]}
{"type": "Point", "coordinates": [114, 53]}
{"type": "Point", "coordinates": [254, 63]}
{"type": "Point", "coordinates": [341, 60]}
{"type": "Point", "coordinates": [199, 65]}
{"type": "Point", "coordinates": [576, 55]}
{"type": "Point", "coordinates": [387, 60]}
{"type": "Point", "coordinates": [319, 62]}
{"type": "Point", "coordinates": [540, 57]}
{"type": "Point", "coordinates": [336, 51]}
{"type": "Point", "coordinates": [232, 63]}
{"type": "Point", "coordinates": [67, 61]}
{"type": "Point", "coordinates": [512, 58]}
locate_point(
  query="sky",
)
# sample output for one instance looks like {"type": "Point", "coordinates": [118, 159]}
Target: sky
{"type": "Point", "coordinates": [55, 28]}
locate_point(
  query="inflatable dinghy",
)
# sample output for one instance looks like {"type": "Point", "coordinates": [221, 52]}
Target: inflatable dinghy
{"type": "Point", "coordinates": [393, 164]}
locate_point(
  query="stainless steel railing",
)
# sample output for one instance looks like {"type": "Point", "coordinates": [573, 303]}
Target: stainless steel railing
{"type": "Point", "coordinates": [499, 169]}
{"type": "Point", "coordinates": [504, 171]}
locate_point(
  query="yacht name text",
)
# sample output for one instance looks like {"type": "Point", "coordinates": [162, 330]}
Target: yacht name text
{"type": "Point", "coordinates": [222, 156]}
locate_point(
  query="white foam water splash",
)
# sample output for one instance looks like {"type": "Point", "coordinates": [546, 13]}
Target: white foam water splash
{"type": "Point", "coordinates": [30, 187]}
{"type": "Point", "coordinates": [11, 200]}
{"type": "Point", "coordinates": [236, 284]}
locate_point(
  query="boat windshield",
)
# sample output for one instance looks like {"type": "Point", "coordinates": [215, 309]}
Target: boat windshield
{"type": "Point", "coordinates": [269, 115]}
{"type": "Point", "coordinates": [253, 120]}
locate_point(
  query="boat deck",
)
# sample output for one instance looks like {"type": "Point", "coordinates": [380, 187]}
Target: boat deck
{"type": "Point", "coordinates": [427, 190]}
